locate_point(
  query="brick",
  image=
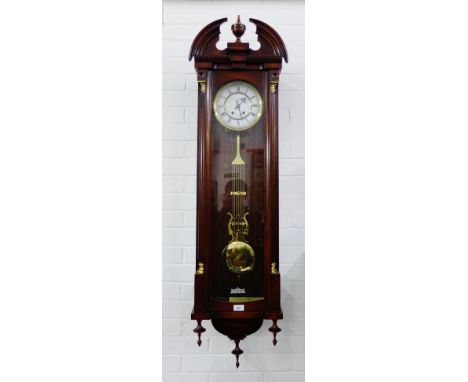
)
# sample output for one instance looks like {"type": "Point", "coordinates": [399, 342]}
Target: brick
{"type": "Point", "coordinates": [179, 132]}
{"type": "Point", "coordinates": [284, 219]}
{"type": "Point", "coordinates": [292, 271]}
{"type": "Point", "coordinates": [292, 166]}
{"type": "Point", "coordinates": [212, 362]}
{"type": "Point", "coordinates": [185, 377]}
{"type": "Point", "coordinates": [281, 377]}
{"type": "Point", "coordinates": [189, 255]}
{"type": "Point", "coordinates": [297, 115]}
{"type": "Point", "coordinates": [297, 149]}
{"type": "Point", "coordinates": [187, 291]}
{"type": "Point", "coordinates": [204, 14]}
{"type": "Point", "coordinates": [172, 184]}
{"type": "Point", "coordinates": [284, 83]}
{"type": "Point", "coordinates": [289, 15]}
{"type": "Point", "coordinates": [271, 362]}
{"type": "Point", "coordinates": [293, 289]}
{"type": "Point", "coordinates": [237, 377]}
{"type": "Point", "coordinates": [289, 184]}
{"type": "Point", "coordinates": [172, 218]}
{"type": "Point", "coordinates": [296, 82]}
{"type": "Point", "coordinates": [178, 201]}
{"type": "Point", "coordinates": [292, 326]}
{"type": "Point", "coordinates": [178, 272]}
{"type": "Point", "coordinates": [191, 115]}
{"type": "Point", "coordinates": [290, 254]}
{"type": "Point", "coordinates": [222, 345]}
{"type": "Point", "coordinates": [173, 82]}
{"type": "Point", "coordinates": [283, 149]}
{"type": "Point", "coordinates": [295, 65]}
{"type": "Point", "coordinates": [298, 219]}
{"type": "Point", "coordinates": [190, 150]}
{"type": "Point", "coordinates": [180, 32]}
{"type": "Point", "coordinates": [192, 83]}
{"type": "Point", "coordinates": [184, 166]}
{"type": "Point", "coordinates": [183, 345]}
{"type": "Point", "coordinates": [291, 236]}
{"type": "Point", "coordinates": [176, 309]}
{"type": "Point", "coordinates": [289, 99]}
{"type": "Point", "coordinates": [283, 116]}
{"type": "Point", "coordinates": [173, 149]}
{"type": "Point", "coordinates": [171, 363]}
{"type": "Point", "coordinates": [176, 65]}
{"type": "Point", "coordinates": [176, 49]}
{"type": "Point", "coordinates": [190, 184]}
{"type": "Point", "coordinates": [171, 291]}
{"type": "Point", "coordinates": [190, 218]}
{"type": "Point", "coordinates": [172, 114]}
{"type": "Point", "coordinates": [178, 236]}
{"type": "Point", "coordinates": [296, 51]}
{"type": "Point", "coordinates": [172, 255]}
{"type": "Point", "coordinates": [298, 361]}
{"type": "Point", "coordinates": [293, 308]}
{"type": "Point", "coordinates": [290, 133]}
{"type": "Point", "coordinates": [290, 201]}
{"type": "Point", "coordinates": [287, 344]}
{"type": "Point", "coordinates": [179, 98]}
{"type": "Point", "coordinates": [290, 33]}
{"type": "Point", "coordinates": [171, 327]}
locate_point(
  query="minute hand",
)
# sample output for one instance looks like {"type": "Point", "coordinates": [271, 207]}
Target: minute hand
{"type": "Point", "coordinates": [238, 108]}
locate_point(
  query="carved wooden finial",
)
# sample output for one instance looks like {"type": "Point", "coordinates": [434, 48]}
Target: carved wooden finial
{"type": "Point", "coordinates": [238, 29]}
{"type": "Point", "coordinates": [237, 352]}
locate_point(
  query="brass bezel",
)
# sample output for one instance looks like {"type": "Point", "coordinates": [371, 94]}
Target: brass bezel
{"type": "Point", "coordinates": [260, 106]}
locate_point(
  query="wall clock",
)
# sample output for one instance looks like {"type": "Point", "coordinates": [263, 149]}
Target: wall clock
{"type": "Point", "coordinates": [237, 280]}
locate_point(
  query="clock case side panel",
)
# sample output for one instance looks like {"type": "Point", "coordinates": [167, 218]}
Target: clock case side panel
{"type": "Point", "coordinates": [273, 310]}
{"type": "Point", "coordinates": [201, 287]}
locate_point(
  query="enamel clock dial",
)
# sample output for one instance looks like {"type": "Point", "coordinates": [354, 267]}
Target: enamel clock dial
{"type": "Point", "coordinates": [238, 105]}
{"type": "Point", "coordinates": [237, 279]}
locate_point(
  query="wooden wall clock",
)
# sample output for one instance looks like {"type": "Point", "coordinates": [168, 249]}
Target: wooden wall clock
{"type": "Point", "coordinates": [237, 282]}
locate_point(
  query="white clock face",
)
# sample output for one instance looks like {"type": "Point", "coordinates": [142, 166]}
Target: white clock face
{"type": "Point", "coordinates": [238, 105]}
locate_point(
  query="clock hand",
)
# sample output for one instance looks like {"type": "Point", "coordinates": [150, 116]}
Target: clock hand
{"type": "Point", "coordinates": [238, 107]}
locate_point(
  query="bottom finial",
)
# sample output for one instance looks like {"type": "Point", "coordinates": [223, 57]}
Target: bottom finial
{"type": "Point", "coordinates": [199, 330]}
{"type": "Point", "coordinates": [237, 352]}
{"type": "Point", "coordinates": [274, 329]}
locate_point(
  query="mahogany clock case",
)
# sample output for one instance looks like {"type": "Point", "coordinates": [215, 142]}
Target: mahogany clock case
{"type": "Point", "coordinates": [216, 147]}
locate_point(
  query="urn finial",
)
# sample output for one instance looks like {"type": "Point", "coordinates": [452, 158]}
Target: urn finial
{"type": "Point", "coordinates": [238, 29]}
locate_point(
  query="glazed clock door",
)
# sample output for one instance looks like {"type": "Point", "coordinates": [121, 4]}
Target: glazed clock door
{"type": "Point", "coordinates": [237, 174]}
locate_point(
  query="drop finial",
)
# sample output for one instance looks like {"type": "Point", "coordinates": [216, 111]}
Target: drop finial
{"type": "Point", "coordinates": [237, 352]}
{"type": "Point", "coordinates": [238, 29]}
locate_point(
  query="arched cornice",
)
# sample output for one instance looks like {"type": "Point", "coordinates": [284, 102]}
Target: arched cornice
{"type": "Point", "coordinates": [204, 50]}
{"type": "Point", "coordinates": [268, 36]}
{"type": "Point", "coordinates": [205, 41]}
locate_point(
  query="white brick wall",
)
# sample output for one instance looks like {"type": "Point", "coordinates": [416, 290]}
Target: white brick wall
{"type": "Point", "coordinates": [183, 360]}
